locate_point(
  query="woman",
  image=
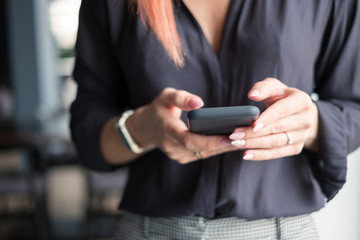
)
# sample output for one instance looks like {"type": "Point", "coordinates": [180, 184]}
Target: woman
{"type": "Point", "coordinates": [261, 181]}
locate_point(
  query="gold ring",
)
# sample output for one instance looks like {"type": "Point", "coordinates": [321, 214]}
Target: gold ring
{"type": "Point", "coordinates": [198, 155]}
{"type": "Point", "coordinates": [290, 141]}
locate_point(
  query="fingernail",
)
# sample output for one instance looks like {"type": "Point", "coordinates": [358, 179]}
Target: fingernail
{"type": "Point", "coordinates": [225, 142]}
{"type": "Point", "coordinates": [258, 127]}
{"type": "Point", "coordinates": [248, 156]}
{"type": "Point", "coordinates": [237, 135]}
{"type": "Point", "coordinates": [238, 143]}
{"type": "Point", "coordinates": [195, 103]}
{"type": "Point", "coordinates": [254, 93]}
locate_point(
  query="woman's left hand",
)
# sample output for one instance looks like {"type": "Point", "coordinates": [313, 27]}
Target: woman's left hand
{"type": "Point", "coordinates": [289, 123]}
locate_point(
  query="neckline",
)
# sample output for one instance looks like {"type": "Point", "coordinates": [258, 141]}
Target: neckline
{"type": "Point", "coordinates": [223, 33]}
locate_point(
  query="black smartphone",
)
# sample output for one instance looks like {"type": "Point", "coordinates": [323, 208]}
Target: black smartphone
{"type": "Point", "coordinates": [221, 120]}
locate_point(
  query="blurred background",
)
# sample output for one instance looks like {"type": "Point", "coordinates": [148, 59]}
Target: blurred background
{"type": "Point", "coordinates": [44, 192]}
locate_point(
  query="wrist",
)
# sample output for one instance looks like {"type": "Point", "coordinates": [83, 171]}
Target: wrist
{"type": "Point", "coordinates": [312, 142]}
{"type": "Point", "coordinates": [127, 133]}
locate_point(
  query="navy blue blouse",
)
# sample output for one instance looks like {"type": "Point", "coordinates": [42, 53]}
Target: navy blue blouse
{"type": "Point", "coordinates": [310, 45]}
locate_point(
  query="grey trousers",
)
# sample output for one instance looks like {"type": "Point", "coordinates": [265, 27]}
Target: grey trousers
{"type": "Point", "coordinates": [136, 227]}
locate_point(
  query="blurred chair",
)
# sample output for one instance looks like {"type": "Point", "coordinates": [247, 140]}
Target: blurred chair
{"type": "Point", "coordinates": [105, 192]}
{"type": "Point", "coordinates": [22, 187]}
{"type": "Point", "coordinates": [92, 199]}
{"type": "Point", "coordinates": [66, 189]}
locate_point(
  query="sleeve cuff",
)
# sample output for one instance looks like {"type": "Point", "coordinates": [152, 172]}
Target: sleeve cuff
{"type": "Point", "coordinates": [330, 162]}
{"type": "Point", "coordinates": [86, 134]}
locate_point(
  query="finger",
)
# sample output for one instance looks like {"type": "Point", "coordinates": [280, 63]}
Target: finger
{"type": "Point", "coordinates": [294, 103]}
{"type": "Point", "coordinates": [191, 141]}
{"type": "Point", "coordinates": [195, 142]}
{"type": "Point", "coordinates": [271, 141]}
{"type": "Point", "coordinates": [209, 153]}
{"type": "Point", "coordinates": [267, 154]}
{"type": "Point", "coordinates": [181, 99]}
{"type": "Point", "coordinates": [300, 121]}
{"type": "Point", "coordinates": [269, 87]}
{"type": "Point", "coordinates": [184, 155]}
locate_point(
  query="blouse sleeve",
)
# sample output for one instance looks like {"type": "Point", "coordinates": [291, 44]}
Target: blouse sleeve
{"type": "Point", "coordinates": [101, 93]}
{"type": "Point", "coordinates": [338, 87]}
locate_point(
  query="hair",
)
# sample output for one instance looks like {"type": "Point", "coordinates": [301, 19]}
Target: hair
{"type": "Point", "coordinates": [158, 15]}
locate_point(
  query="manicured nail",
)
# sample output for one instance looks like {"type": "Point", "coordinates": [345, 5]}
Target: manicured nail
{"type": "Point", "coordinates": [238, 143]}
{"type": "Point", "coordinates": [225, 142]}
{"type": "Point", "coordinates": [248, 156]}
{"type": "Point", "coordinates": [254, 93]}
{"type": "Point", "coordinates": [195, 103]}
{"type": "Point", "coordinates": [237, 135]}
{"type": "Point", "coordinates": [258, 127]}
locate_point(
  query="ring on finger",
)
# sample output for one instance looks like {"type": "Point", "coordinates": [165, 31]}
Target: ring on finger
{"type": "Point", "coordinates": [198, 155]}
{"type": "Point", "coordinates": [290, 141]}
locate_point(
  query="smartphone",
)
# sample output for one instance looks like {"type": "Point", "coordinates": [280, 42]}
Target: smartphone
{"type": "Point", "coordinates": [221, 120]}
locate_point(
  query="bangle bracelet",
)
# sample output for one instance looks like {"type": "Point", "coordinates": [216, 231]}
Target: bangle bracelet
{"type": "Point", "coordinates": [124, 133]}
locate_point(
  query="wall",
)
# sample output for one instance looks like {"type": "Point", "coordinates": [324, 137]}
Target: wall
{"type": "Point", "coordinates": [340, 219]}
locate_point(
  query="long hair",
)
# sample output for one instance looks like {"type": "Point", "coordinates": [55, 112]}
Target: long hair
{"type": "Point", "coordinates": [158, 15]}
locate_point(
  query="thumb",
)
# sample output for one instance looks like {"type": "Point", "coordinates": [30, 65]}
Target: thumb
{"type": "Point", "coordinates": [268, 88]}
{"type": "Point", "coordinates": [181, 99]}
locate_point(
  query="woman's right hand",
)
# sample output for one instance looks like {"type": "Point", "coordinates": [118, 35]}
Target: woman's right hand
{"type": "Point", "coordinates": [158, 125]}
